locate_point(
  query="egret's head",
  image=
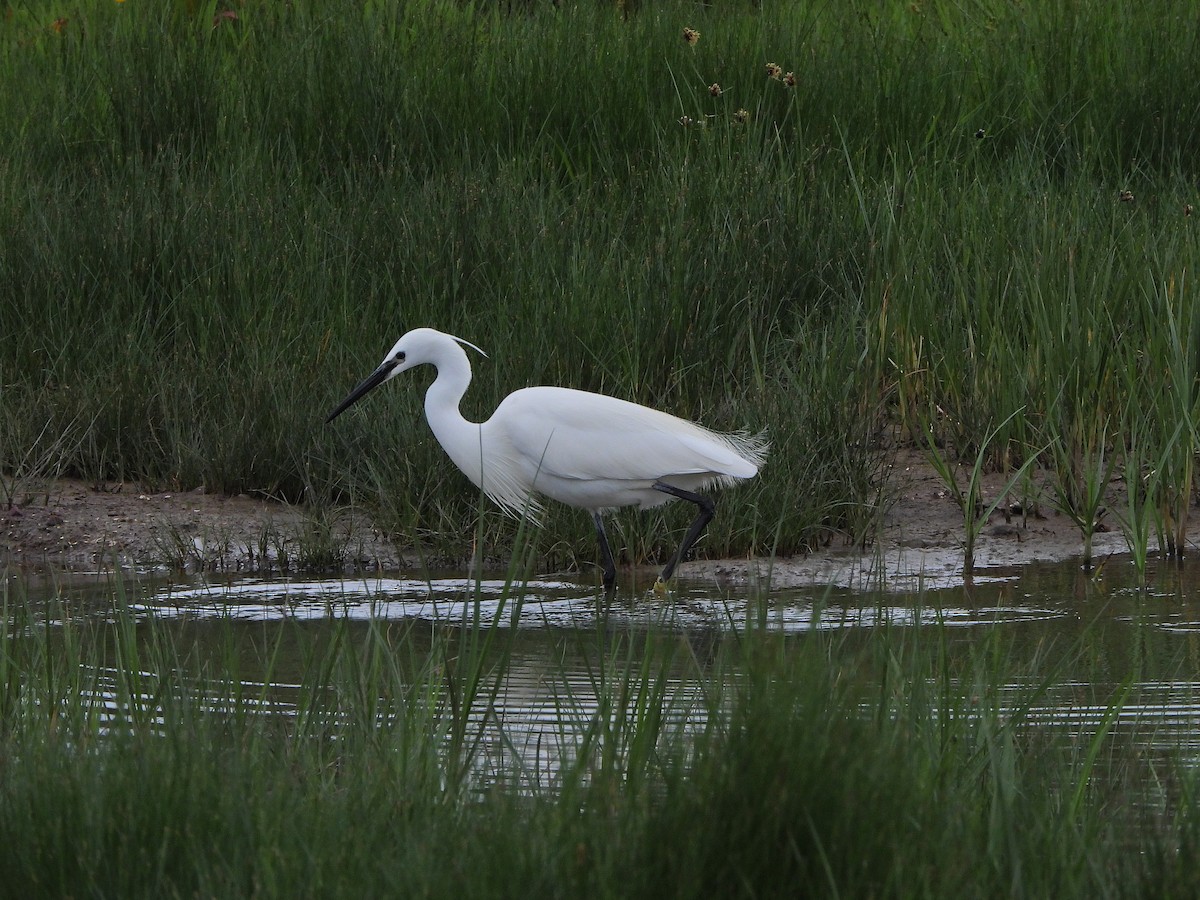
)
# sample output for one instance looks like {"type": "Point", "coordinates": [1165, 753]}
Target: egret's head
{"type": "Point", "coordinates": [424, 346]}
{"type": "Point", "coordinates": [417, 347]}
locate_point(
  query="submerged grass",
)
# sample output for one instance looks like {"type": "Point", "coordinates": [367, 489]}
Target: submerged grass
{"type": "Point", "coordinates": [146, 759]}
{"type": "Point", "coordinates": [216, 219]}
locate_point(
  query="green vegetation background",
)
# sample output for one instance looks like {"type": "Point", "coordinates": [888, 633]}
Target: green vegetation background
{"type": "Point", "coordinates": [964, 227]}
{"type": "Point", "coordinates": [214, 220]}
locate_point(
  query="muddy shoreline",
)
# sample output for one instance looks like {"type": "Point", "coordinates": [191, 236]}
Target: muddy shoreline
{"type": "Point", "coordinates": [75, 526]}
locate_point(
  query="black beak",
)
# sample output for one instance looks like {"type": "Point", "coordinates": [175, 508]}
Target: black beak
{"type": "Point", "coordinates": [369, 383]}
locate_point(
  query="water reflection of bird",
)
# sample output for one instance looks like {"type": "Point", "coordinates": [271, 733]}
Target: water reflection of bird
{"type": "Point", "coordinates": [586, 450]}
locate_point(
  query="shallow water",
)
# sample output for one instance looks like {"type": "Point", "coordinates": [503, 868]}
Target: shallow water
{"type": "Point", "coordinates": [1133, 640]}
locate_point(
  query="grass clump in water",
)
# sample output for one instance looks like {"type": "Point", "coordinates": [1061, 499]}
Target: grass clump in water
{"type": "Point", "coordinates": [144, 761]}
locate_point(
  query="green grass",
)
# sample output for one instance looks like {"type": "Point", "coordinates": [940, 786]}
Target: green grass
{"type": "Point", "coordinates": [334, 759]}
{"type": "Point", "coordinates": [211, 233]}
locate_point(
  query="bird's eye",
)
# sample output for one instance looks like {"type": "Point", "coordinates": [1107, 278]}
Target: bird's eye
{"type": "Point", "coordinates": [400, 357]}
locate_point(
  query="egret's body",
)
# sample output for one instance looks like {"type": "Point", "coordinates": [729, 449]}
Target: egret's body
{"type": "Point", "coordinates": [586, 450]}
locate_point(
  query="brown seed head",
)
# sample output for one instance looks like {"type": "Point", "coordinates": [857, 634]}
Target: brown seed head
{"type": "Point", "coordinates": [774, 70]}
{"type": "Point", "coordinates": [741, 116]}
{"type": "Point", "coordinates": [691, 36]}
{"type": "Point", "coordinates": [714, 89]}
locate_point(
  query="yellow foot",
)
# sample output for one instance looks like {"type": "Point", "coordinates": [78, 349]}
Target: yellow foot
{"type": "Point", "coordinates": [660, 587]}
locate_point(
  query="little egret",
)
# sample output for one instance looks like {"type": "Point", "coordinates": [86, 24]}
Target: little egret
{"type": "Point", "coordinates": [586, 450]}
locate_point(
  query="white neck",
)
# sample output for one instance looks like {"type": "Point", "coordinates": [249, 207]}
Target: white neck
{"type": "Point", "coordinates": [458, 437]}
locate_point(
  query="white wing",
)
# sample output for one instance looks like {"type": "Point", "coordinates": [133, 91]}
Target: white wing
{"type": "Point", "coordinates": [592, 437]}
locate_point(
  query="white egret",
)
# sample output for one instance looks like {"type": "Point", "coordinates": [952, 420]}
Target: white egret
{"type": "Point", "coordinates": [586, 450]}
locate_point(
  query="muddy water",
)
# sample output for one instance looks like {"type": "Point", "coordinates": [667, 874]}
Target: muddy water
{"type": "Point", "coordinates": [1118, 656]}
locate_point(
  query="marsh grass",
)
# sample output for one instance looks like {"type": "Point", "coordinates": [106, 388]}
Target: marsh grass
{"type": "Point", "coordinates": [148, 759]}
{"type": "Point", "coordinates": [213, 227]}
{"type": "Point", "coordinates": [976, 509]}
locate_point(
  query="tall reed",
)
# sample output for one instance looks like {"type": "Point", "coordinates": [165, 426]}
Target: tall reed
{"type": "Point", "coordinates": [217, 218]}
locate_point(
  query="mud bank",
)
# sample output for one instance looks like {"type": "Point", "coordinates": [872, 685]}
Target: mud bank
{"type": "Point", "coordinates": [74, 525]}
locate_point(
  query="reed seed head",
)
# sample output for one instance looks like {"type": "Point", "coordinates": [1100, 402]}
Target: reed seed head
{"type": "Point", "coordinates": [691, 36]}
{"type": "Point", "coordinates": [774, 70]}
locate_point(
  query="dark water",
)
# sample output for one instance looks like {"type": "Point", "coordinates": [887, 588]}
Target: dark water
{"type": "Point", "coordinates": [1114, 655]}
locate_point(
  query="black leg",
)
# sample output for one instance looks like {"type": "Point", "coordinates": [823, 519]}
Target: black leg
{"type": "Point", "coordinates": [705, 510]}
{"type": "Point", "coordinates": [606, 557]}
